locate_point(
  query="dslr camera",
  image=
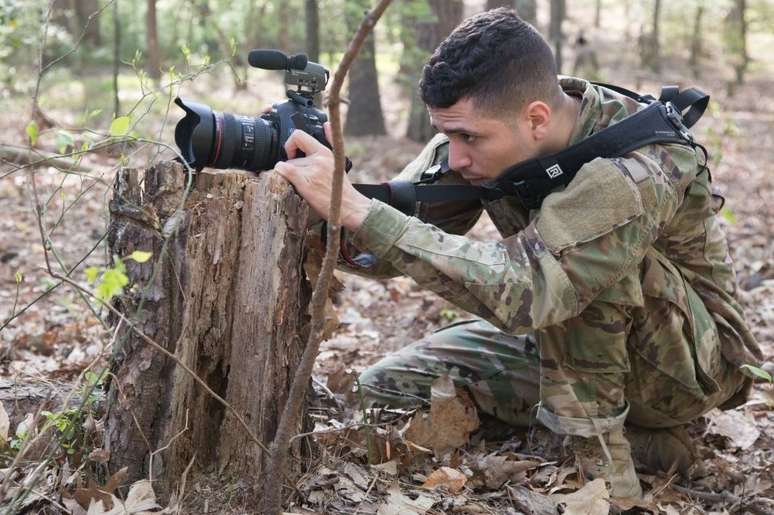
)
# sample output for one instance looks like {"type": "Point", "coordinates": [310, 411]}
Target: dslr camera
{"type": "Point", "coordinates": [225, 140]}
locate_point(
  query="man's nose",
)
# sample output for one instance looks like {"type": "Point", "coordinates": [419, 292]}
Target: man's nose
{"type": "Point", "coordinates": [458, 159]}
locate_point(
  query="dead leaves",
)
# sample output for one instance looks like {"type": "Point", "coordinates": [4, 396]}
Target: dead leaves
{"type": "Point", "coordinates": [494, 471]}
{"type": "Point", "coordinates": [592, 499]}
{"type": "Point", "coordinates": [734, 425]}
{"type": "Point", "coordinates": [5, 425]}
{"type": "Point", "coordinates": [451, 420]}
{"type": "Point", "coordinates": [451, 479]}
{"type": "Point", "coordinates": [399, 504]}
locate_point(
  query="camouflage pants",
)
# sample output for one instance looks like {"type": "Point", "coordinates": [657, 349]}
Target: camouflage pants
{"type": "Point", "coordinates": [583, 377]}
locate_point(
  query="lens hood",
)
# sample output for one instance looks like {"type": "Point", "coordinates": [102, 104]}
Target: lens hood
{"type": "Point", "coordinates": [194, 134]}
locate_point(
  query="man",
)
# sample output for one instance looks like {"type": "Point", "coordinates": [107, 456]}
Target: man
{"type": "Point", "coordinates": [612, 302]}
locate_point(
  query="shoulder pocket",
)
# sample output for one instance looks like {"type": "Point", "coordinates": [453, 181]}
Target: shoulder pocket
{"type": "Point", "coordinates": [600, 198]}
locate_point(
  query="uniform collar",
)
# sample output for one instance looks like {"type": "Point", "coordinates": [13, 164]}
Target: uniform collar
{"type": "Point", "coordinates": [590, 110]}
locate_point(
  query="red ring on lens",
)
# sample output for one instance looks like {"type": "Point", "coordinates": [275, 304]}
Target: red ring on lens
{"type": "Point", "coordinates": [218, 136]}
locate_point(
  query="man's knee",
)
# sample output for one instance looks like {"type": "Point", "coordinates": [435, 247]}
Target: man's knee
{"type": "Point", "coordinates": [381, 385]}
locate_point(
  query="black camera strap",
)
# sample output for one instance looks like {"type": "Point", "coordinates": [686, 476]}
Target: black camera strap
{"type": "Point", "coordinates": [661, 121]}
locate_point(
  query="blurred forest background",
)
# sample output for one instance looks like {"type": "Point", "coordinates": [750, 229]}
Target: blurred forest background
{"type": "Point", "coordinates": [86, 87]}
{"type": "Point", "coordinates": [104, 59]}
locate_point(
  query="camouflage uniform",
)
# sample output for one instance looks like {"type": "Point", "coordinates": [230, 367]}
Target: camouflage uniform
{"type": "Point", "coordinates": [614, 300]}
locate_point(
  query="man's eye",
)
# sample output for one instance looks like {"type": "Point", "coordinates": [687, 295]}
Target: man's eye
{"type": "Point", "coordinates": [469, 138]}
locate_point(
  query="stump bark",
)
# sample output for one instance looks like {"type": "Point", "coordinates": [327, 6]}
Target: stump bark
{"type": "Point", "coordinates": [226, 293]}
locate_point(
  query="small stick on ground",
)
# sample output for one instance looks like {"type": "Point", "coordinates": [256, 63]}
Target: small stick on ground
{"type": "Point", "coordinates": [757, 505]}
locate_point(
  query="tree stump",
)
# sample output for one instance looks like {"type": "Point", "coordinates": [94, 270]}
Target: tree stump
{"type": "Point", "coordinates": [226, 293]}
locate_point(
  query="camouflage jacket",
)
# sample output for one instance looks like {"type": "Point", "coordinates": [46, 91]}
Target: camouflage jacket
{"type": "Point", "coordinates": [590, 241]}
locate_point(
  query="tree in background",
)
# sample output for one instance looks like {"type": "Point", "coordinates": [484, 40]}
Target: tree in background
{"type": "Point", "coordinates": [555, 35]}
{"type": "Point", "coordinates": [527, 11]}
{"type": "Point", "coordinates": [312, 23]}
{"type": "Point", "coordinates": [696, 40]}
{"type": "Point", "coordinates": [83, 10]}
{"type": "Point", "coordinates": [650, 42]}
{"type": "Point", "coordinates": [364, 114]}
{"type": "Point", "coordinates": [494, 4]}
{"type": "Point", "coordinates": [428, 33]}
{"type": "Point", "coordinates": [152, 42]}
{"type": "Point", "coordinates": [735, 36]}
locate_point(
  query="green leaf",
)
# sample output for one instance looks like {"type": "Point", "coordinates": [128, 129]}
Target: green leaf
{"type": "Point", "coordinates": [729, 215]}
{"type": "Point", "coordinates": [64, 140]}
{"type": "Point", "coordinates": [19, 277]}
{"type": "Point", "coordinates": [140, 256]}
{"type": "Point", "coordinates": [32, 132]}
{"type": "Point", "coordinates": [120, 126]}
{"type": "Point", "coordinates": [112, 284]}
{"type": "Point", "coordinates": [91, 273]}
{"type": "Point", "coordinates": [93, 113]}
{"type": "Point", "coordinates": [758, 372]}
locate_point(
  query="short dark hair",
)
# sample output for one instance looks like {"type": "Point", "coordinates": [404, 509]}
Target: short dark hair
{"type": "Point", "coordinates": [495, 58]}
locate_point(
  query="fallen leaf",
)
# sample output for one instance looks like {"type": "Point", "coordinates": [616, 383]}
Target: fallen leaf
{"type": "Point", "coordinates": [419, 430]}
{"type": "Point", "coordinates": [447, 477]}
{"type": "Point", "coordinates": [494, 470]}
{"type": "Point", "coordinates": [347, 488]}
{"type": "Point", "coordinates": [399, 504]}
{"type": "Point", "coordinates": [735, 426]}
{"type": "Point", "coordinates": [390, 467]}
{"type": "Point", "coordinates": [357, 475]}
{"type": "Point", "coordinates": [592, 499]}
{"type": "Point", "coordinates": [139, 501]}
{"type": "Point", "coordinates": [88, 496]}
{"type": "Point", "coordinates": [5, 425]}
{"type": "Point", "coordinates": [341, 380]}
{"type": "Point", "coordinates": [452, 418]}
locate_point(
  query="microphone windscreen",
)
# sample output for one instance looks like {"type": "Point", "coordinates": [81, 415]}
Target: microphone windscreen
{"type": "Point", "coordinates": [267, 59]}
{"type": "Point", "coordinates": [298, 61]}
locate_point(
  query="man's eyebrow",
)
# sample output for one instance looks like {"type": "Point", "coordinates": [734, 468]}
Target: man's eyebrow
{"type": "Point", "coordinates": [455, 130]}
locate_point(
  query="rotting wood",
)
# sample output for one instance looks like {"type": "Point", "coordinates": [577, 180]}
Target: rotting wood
{"type": "Point", "coordinates": [227, 295]}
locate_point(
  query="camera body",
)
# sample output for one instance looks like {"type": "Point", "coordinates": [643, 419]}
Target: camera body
{"type": "Point", "coordinates": [225, 140]}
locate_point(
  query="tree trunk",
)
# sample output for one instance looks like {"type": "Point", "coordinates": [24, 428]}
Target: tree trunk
{"type": "Point", "coordinates": [597, 13]}
{"type": "Point", "coordinates": [364, 114]}
{"type": "Point", "coordinates": [152, 42]}
{"type": "Point", "coordinates": [527, 11]}
{"type": "Point", "coordinates": [736, 39]}
{"type": "Point", "coordinates": [558, 13]}
{"type": "Point", "coordinates": [227, 295]}
{"type": "Point", "coordinates": [312, 21]}
{"type": "Point", "coordinates": [650, 47]}
{"type": "Point", "coordinates": [696, 42]}
{"type": "Point", "coordinates": [283, 25]}
{"type": "Point", "coordinates": [494, 4]}
{"type": "Point", "coordinates": [116, 58]}
{"type": "Point", "coordinates": [84, 9]}
{"type": "Point", "coordinates": [428, 35]}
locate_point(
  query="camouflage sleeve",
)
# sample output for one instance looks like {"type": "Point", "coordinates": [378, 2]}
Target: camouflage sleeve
{"type": "Point", "coordinates": [584, 240]}
{"type": "Point", "coordinates": [452, 217]}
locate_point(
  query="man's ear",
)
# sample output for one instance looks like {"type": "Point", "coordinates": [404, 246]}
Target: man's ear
{"type": "Point", "coordinates": [538, 117]}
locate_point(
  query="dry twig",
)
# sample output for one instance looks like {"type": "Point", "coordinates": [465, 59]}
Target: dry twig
{"type": "Point", "coordinates": [288, 422]}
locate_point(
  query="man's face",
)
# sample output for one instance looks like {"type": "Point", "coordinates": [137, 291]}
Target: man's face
{"type": "Point", "coordinates": [481, 146]}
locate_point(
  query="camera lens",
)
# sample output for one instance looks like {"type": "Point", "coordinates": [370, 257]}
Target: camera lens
{"type": "Point", "coordinates": [224, 140]}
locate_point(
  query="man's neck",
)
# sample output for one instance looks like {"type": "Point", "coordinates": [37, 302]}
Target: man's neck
{"type": "Point", "coordinates": [566, 117]}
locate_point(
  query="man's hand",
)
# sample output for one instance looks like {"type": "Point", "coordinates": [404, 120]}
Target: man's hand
{"type": "Point", "coordinates": [312, 176]}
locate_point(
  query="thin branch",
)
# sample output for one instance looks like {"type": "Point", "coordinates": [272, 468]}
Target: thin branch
{"type": "Point", "coordinates": [28, 156]}
{"type": "Point", "coordinates": [288, 423]}
{"type": "Point", "coordinates": [756, 505]}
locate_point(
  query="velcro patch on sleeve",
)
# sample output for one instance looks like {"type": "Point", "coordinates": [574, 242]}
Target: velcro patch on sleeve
{"type": "Point", "coordinates": [599, 199]}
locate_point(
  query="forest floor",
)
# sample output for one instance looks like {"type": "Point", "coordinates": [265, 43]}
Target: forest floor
{"type": "Point", "coordinates": [45, 348]}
